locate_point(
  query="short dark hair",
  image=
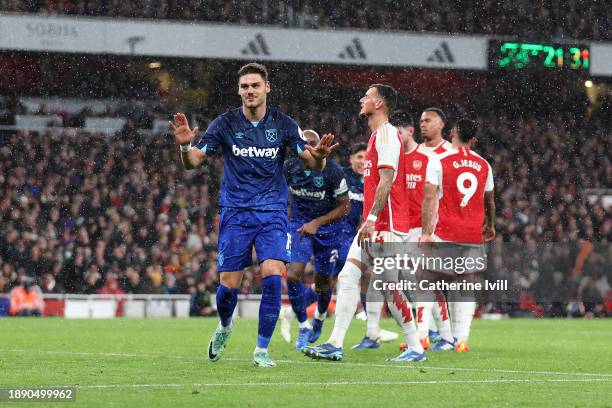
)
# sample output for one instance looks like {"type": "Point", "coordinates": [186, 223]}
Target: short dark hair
{"type": "Point", "coordinates": [388, 94]}
{"type": "Point", "coordinates": [254, 68]}
{"type": "Point", "coordinates": [402, 119]}
{"type": "Point", "coordinates": [439, 112]}
{"type": "Point", "coordinates": [466, 129]}
{"type": "Point", "coordinates": [357, 147]}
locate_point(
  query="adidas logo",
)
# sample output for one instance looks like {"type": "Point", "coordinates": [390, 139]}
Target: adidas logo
{"type": "Point", "coordinates": [353, 51]}
{"type": "Point", "coordinates": [442, 54]}
{"type": "Point", "coordinates": [256, 47]}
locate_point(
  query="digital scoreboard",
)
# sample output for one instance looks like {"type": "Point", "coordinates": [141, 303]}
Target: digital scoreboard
{"type": "Point", "coordinates": [506, 55]}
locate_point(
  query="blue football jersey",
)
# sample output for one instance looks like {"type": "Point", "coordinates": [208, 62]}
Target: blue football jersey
{"type": "Point", "coordinates": [355, 186]}
{"type": "Point", "coordinates": [253, 157]}
{"type": "Point", "coordinates": [314, 193]}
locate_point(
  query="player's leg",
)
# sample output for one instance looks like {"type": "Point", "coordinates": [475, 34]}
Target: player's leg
{"type": "Point", "coordinates": [347, 291]}
{"type": "Point", "coordinates": [373, 310]}
{"type": "Point", "coordinates": [327, 252]}
{"type": "Point", "coordinates": [236, 235]}
{"type": "Point", "coordinates": [273, 248]}
{"type": "Point", "coordinates": [464, 306]}
{"type": "Point", "coordinates": [295, 290]}
{"type": "Point", "coordinates": [401, 310]}
{"type": "Point", "coordinates": [442, 316]}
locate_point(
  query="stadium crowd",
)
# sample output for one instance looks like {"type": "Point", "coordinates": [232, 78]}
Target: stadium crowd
{"type": "Point", "coordinates": [559, 19]}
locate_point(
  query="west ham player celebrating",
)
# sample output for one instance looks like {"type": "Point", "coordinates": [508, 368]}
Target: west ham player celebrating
{"type": "Point", "coordinates": [464, 182]}
{"type": "Point", "coordinates": [253, 200]}
{"type": "Point", "coordinates": [319, 202]}
{"type": "Point", "coordinates": [386, 221]}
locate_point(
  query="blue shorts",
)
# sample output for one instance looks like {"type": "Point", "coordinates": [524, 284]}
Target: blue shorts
{"type": "Point", "coordinates": [325, 246]}
{"type": "Point", "coordinates": [240, 229]}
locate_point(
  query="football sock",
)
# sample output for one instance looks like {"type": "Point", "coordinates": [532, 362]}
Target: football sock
{"type": "Point", "coordinates": [443, 317]}
{"type": "Point", "coordinates": [363, 297]}
{"type": "Point", "coordinates": [310, 296]}
{"type": "Point", "coordinates": [400, 308]}
{"type": "Point", "coordinates": [323, 303]}
{"type": "Point", "coordinates": [465, 314]}
{"type": "Point", "coordinates": [295, 290]}
{"type": "Point", "coordinates": [227, 299]}
{"type": "Point", "coordinates": [268, 309]}
{"type": "Point", "coordinates": [373, 323]}
{"type": "Point", "coordinates": [423, 310]}
{"type": "Point", "coordinates": [347, 297]}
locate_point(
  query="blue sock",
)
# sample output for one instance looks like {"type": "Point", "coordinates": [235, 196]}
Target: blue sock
{"type": "Point", "coordinates": [310, 296]}
{"type": "Point", "coordinates": [364, 299]}
{"type": "Point", "coordinates": [324, 299]}
{"type": "Point", "coordinates": [269, 309]}
{"type": "Point", "coordinates": [226, 303]}
{"type": "Point", "coordinates": [295, 290]}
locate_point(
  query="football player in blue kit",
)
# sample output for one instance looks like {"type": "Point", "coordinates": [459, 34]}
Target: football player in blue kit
{"type": "Point", "coordinates": [253, 140]}
{"type": "Point", "coordinates": [319, 203]}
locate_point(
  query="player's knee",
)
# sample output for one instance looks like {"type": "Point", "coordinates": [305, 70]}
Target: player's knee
{"type": "Point", "coordinates": [350, 274]}
{"type": "Point", "coordinates": [231, 279]}
{"type": "Point", "coordinates": [271, 267]}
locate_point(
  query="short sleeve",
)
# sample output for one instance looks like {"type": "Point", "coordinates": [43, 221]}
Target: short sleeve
{"type": "Point", "coordinates": [338, 182]}
{"type": "Point", "coordinates": [295, 138]}
{"type": "Point", "coordinates": [489, 184]}
{"type": "Point", "coordinates": [388, 148]}
{"type": "Point", "coordinates": [433, 173]}
{"type": "Point", "coordinates": [210, 143]}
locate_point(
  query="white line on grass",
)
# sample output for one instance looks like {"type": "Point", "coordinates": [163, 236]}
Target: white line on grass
{"type": "Point", "coordinates": [341, 364]}
{"type": "Point", "coordinates": [336, 383]}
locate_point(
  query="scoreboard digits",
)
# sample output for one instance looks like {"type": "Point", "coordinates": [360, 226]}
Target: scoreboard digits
{"type": "Point", "coordinates": [517, 56]}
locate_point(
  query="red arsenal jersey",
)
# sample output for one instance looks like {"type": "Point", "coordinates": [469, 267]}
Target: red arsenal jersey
{"type": "Point", "coordinates": [463, 177]}
{"type": "Point", "coordinates": [385, 151]}
{"type": "Point", "coordinates": [416, 165]}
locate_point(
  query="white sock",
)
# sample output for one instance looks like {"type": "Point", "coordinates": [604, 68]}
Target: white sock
{"type": "Point", "coordinates": [373, 311]}
{"type": "Point", "coordinates": [402, 313]}
{"type": "Point", "coordinates": [289, 313]}
{"type": "Point", "coordinates": [305, 324]}
{"type": "Point", "coordinates": [465, 314]}
{"type": "Point", "coordinates": [424, 314]}
{"type": "Point", "coordinates": [257, 350]}
{"type": "Point", "coordinates": [443, 316]}
{"type": "Point", "coordinates": [319, 316]}
{"type": "Point", "coordinates": [347, 296]}
{"type": "Point", "coordinates": [433, 323]}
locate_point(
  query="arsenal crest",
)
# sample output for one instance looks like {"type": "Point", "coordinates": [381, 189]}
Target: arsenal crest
{"type": "Point", "coordinates": [271, 135]}
{"type": "Point", "coordinates": [319, 181]}
{"type": "Point", "coordinates": [417, 164]}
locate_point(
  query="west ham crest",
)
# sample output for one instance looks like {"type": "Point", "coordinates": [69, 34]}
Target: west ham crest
{"type": "Point", "coordinates": [319, 181]}
{"type": "Point", "coordinates": [271, 135]}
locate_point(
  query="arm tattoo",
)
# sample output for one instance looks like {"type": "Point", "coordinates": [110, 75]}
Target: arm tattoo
{"type": "Point", "coordinates": [382, 190]}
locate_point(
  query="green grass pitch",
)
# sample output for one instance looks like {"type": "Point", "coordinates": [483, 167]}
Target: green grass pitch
{"type": "Point", "coordinates": [161, 363]}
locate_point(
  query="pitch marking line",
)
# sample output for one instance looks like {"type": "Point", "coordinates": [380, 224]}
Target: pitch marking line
{"type": "Point", "coordinates": [340, 383]}
{"type": "Point", "coordinates": [342, 364]}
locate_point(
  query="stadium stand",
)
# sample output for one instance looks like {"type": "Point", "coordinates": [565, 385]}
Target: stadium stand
{"type": "Point", "coordinates": [559, 19]}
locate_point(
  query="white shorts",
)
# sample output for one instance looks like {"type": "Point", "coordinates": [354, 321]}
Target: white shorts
{"type": "Point", "coordinates": [388, 239]}
{"type": "Point", "coordinates": [414, 234]}
{"type": "Point", "coordinates": [467, 258]}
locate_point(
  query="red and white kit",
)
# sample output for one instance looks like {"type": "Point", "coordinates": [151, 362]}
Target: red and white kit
{"type": "Point", "coordinates": [416, 162]}
{"type": "Point", "coordinates": [393, 222]}
{"type": "Point", "coordinates": [463, 176]}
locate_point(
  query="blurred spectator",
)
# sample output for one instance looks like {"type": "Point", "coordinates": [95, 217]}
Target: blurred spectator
{"type": "Point", "coordinates": [558, 20]}
{"type": "Point", "coordinates": [201, 304]}
{"type": "Point", "coordinates": [50, 285]}
{"type": "Point", "coordinates": [26, 299]}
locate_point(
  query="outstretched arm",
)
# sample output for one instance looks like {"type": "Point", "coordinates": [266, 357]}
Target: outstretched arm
{"type": "Point", "coordinates": [313, 158]}
{"type": "Point", "coordinates": [183, 135]}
